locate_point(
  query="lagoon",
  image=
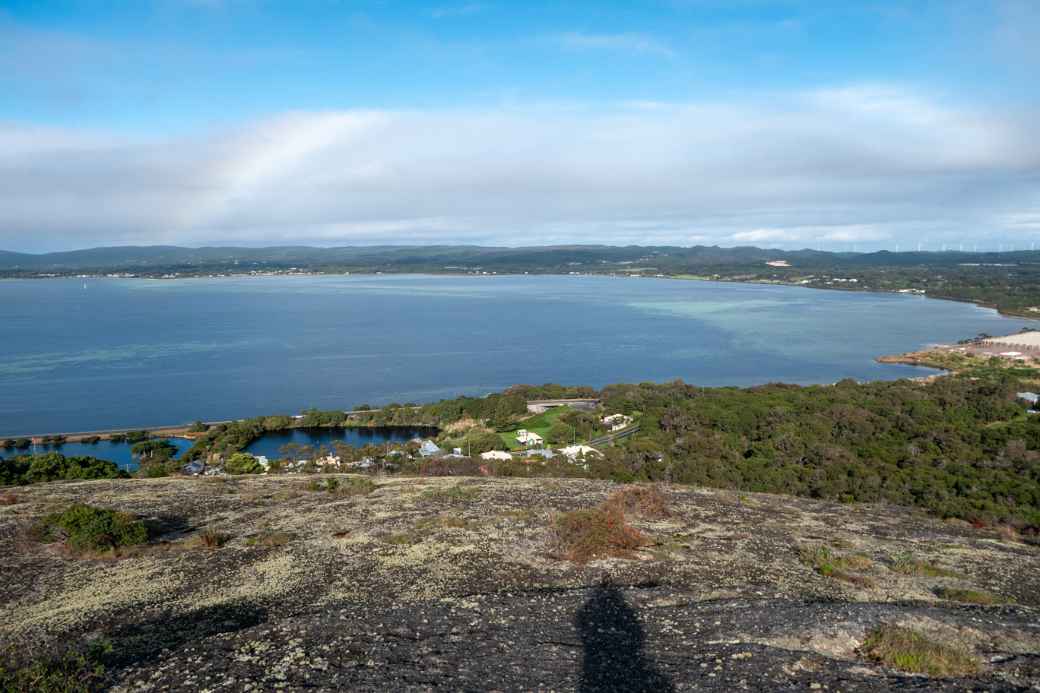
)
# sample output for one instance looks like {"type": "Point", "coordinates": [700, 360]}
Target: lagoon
{"type": "Point", "coordinates": [80, 355]}
{"type": "Point", "coordinates": [271, 443]}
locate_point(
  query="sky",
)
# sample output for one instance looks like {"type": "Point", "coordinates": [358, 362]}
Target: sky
{"type": "Point", "coordinates": [840, 125]}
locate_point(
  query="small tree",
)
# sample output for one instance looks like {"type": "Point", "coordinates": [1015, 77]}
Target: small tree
{"type": "Point", "coordinates": [242, 463]}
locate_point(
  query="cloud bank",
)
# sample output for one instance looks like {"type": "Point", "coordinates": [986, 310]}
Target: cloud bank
{"type": "Point", "coordinates": [860, 164]}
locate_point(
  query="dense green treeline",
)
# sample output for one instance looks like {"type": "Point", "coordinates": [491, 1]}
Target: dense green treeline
{"type": "Point", "coordinates": [957, 447]}
{"type": "Point", "coordinates": [53, 466]}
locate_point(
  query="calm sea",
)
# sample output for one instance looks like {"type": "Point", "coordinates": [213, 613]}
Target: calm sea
{"type": "Point", "coordinates": [110, 353]}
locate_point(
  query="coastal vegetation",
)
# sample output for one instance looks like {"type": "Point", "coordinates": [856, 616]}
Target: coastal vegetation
{"type": "Point", "coordinates": [53, 466]}
{"type": "Point", "coordinates": [959, 447]}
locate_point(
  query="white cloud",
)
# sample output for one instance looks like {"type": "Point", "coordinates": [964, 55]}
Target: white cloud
{"type": "Point", "coordinates": [765, 236]}
{"type": "Point", "coordinates": [462, 10]}
{"type": "Point", "coordinates": [627, 42]}
{"type": "Point", "coordinates": [860, 164]}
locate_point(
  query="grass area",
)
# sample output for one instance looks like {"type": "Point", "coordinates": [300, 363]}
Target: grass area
{"type": "Point", "coordinates": [539, 423]}
{"type": "Point", "coordinates": [837, 566]}
{"type": "Point", "coordinates": [907, 650]}
{"type": "Point", "coordinates": [453, 495]}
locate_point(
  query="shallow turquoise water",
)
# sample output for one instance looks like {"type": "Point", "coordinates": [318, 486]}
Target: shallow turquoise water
{"type": "Point", "coordinates": [135, 353]}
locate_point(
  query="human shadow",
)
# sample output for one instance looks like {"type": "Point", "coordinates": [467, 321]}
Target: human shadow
{"type": "Point", "coordinates": [613, 641]}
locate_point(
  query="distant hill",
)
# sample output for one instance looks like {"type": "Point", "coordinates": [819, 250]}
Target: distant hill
{"type": "Point", "coordinates": [535, 258]}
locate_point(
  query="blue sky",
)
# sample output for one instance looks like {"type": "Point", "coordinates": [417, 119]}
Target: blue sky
{"type": "Point", "coordinates": [790, 123]}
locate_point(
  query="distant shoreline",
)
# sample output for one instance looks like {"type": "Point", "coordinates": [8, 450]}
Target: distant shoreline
{"type": "Point", "coordinates": [1024, 314]}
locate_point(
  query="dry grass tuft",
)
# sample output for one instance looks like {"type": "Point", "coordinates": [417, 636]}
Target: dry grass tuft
{"type": "Point", "coordinates": [907, 650]}
{"type": "Point", "coordinates": [645, 501]}
{"type": "Point", "coordinates": [8, 499]}
{"type": "Point", "coordinates": [584, 535]}
{"type": "Point", "coordinates": [207, 539]}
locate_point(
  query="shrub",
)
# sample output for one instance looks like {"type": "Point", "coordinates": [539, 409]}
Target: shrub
{"type": "Point", "coordinates": [906, 564]}
{"type": "Point", "coordinates": [907, 650]}
{"type": "Point", "coordinates": [72, 672]}
{"type": "Point", "coordinates": [8, 499]}
{"type": "Point", "coordinates": [832, 565]}
{"type": "Point", "coordinates": [646, 501]}
{"type": "Point", "coordinates": [968, 596]}
{"type": "Point", "coordinates": [136, 436]}
{"type": "Point", "coordinates": [584, 535]}
{"type": "Point", "coordinates": [208, 539]}
{"type": "Point", "coordinates": [348, 486]}
{"type": "Point", "coordinates": [86, 528]}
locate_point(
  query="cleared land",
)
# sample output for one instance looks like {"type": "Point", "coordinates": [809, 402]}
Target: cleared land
{"type": "Point", "coordinates": [539, 423]}
{"type": "Point", "coordinates": [453, 582]}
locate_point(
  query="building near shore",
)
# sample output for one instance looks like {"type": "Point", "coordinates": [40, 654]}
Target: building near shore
{"type": "Point", "coordinates": [495, 455]}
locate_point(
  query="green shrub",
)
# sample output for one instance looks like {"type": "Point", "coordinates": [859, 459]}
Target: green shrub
{"type": "Point", "coordinates": [86, 528]}
{"type": "Point", "coordinates": [907, 650]}
{"type": "Point", "coordinates": [347, 486]}
{"type": "Point", "coordinates": [72, 672]}
{"type": "Point", "coordinates": [837, 566]}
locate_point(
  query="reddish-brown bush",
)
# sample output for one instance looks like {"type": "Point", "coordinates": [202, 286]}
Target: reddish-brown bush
{"type": "Point", "coordinates": [645, 501]}
{"type": "Point", "coordinates": [584, 535]}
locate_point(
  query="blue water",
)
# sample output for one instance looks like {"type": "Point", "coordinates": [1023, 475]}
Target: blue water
{"type": "Point", "coordinates": [271, 444]}
{"type": "Point", "coordinates": [139, 353]}
{"type": "Point", "coordinates": [104, 450]}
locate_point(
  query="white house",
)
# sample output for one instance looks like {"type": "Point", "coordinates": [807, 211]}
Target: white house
{"type": "Point", "coordinates": [328, 461]}
{"type": "Point", "coordinates": [495, 455]}
{"type": "Point", "coordinates": [615, 422]}
{"type": "Point", "coordinates": [429, 449]}
{"type": "Point", "coordinates": [573, 452]}
{"type": "Point", "coordinates": [525, 437]}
